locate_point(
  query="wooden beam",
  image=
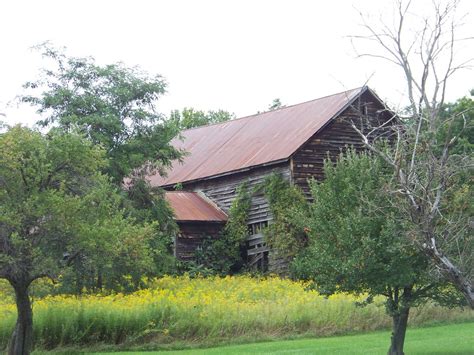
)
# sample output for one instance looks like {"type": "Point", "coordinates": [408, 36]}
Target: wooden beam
{"type": "Point", "coordinates": [257, 250]}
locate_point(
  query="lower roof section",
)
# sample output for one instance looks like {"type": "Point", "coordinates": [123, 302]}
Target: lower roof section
{"type": "Point", "coordinates": [192, 207]}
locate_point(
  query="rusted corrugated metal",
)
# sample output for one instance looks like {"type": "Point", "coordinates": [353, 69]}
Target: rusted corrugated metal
{"type": "Point", "coordinates": [251, 141]}
{"type": "Point", "coordinates": [190, 206]}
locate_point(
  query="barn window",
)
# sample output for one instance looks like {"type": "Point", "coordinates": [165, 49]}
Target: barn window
{"type": "Point", "coordinates": [257, 250]}
{"type": "Point", "coordinates": [256, 228]}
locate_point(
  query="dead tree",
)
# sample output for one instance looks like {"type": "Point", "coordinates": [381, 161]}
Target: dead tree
{"type": "Point", "coordinates": [426, 171]}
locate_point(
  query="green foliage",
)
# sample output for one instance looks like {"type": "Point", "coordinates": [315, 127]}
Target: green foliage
{"type": "Point", "coordinates": [446, 176]}
{"type": "Point", "coordinates": [225, 253]}
{"type": "Point", "coordinates": [190, 118]}
{"type": "Point", "coordinates": [459, 120]}
{"type": "Point", "coordinates": [285, 234]}
{"type": "Point", "coordinates": [57, 211]}
{"type": "Point", "coordinates": [112, 106]}
{"type": "Point", "coordinates": [357, 242]}
{"type": "Point", "coordinates": [276, 105]}
{"type": "Point", "coordinates": [147, 204]}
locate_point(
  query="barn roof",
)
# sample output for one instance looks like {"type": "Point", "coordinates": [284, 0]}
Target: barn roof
{"type": "Point", "coordinates": [250, 141]}
{"type": "Point", "coordinates": [191, 207]}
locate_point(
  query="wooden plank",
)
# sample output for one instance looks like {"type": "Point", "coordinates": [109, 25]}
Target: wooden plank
{"type": "Point", "coordinates": [259, 250]}
{"type": "Point", "coordinates": [308, 161]}
{"type": "Point", "coordinates": [222, 190]}
{"type": "Point", "coordinates": [254, 237]}
{"type": "Point", "coordinates": [255, 242]}
{"type": "Point", "coordinates": [255, 259]}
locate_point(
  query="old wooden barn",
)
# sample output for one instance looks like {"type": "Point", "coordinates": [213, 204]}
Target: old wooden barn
{"type": "Point", "coordinates": [292, 141]}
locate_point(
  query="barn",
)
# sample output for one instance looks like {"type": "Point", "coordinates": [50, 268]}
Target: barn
{"type": "Point", "coordinates": [292, 141]}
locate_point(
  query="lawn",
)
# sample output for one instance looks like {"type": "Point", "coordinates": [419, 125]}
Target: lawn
{"type": "Point", "coordinates": [446, 339]}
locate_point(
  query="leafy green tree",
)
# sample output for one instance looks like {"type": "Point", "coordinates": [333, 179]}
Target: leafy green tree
{"type": "Point", "coordinates": [358, 243]}
{"type": "Point", "coordinates": [55, 208]}
{"type": "Point", "coordinates": [459, 118]}
{"type": "Point", "coordinates": [190, 118]}
{"type": "Point", "coordinates": [147, 204]}
{"type": "Point", "coordinates": [275, 105]}
{"type": "Point", "coordinates": [112, 105]}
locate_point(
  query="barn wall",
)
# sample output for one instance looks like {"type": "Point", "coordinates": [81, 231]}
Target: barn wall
{"type": "Point", "coordinates": [191, 235]}
{"type": "Point", "coordinates": [305, 163]}
{"type": "Point", "coordinates": [223, 190]}
{"type": "Point", "coordinates": [308, 161]}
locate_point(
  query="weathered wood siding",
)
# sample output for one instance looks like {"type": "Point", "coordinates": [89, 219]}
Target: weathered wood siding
{"type": "Point", "coordinates": [222, 190]}
{"type": "Point", "coordinates": [191, 235]}
{"type": "Point", "coordinates": [308, 161]}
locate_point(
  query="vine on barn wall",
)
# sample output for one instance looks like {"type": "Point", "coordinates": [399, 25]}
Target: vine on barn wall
{"type": "Point", "coordinates": [284, 234]}
{"type": "Point", "coordinates": [226, 254]}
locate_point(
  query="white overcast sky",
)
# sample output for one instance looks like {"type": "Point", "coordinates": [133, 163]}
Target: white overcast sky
{"type": "Point", "coordinates": [235, 55]}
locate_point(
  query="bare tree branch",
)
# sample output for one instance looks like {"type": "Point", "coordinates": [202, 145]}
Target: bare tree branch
{"type": "Point", "coordinates": [422, 163]}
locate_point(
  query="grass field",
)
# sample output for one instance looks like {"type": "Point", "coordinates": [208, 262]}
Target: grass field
{"type": "Point", "coordinates": [180, 312]}
{"type": "Point", "coordinates": [448, 339]}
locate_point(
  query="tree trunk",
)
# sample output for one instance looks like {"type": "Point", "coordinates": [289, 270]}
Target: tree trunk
{"type": "Point", "coordinates": [21, 340]}
{"type": "Point", "coordinates": [400, 321]}
{"type": "Point", "coordinates": [99, 280]}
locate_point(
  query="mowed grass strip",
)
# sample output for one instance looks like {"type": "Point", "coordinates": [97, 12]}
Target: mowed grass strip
{"type": "Point", "coordinates": [446, 339]}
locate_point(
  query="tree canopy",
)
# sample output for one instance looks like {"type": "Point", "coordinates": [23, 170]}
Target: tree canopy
{"type": "Point", "coordinates": [112, 105]}
{"type": "Point", "coordinates": [115, 108]}
{"type": "Point", "coordinates": [275, 105]}
{"type": "Point", "coordinates": [358, 242]}
{"type": "Point", "coordinates": [56, 208]}
{"type": "Point", "coordinates": [190, 118]}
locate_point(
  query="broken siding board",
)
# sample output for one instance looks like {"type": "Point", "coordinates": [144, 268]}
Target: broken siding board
{"type": "Point", "coordinates": [258, 250]}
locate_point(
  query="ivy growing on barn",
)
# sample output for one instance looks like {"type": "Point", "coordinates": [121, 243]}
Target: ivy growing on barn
{"type": "Point", "coordinates": [226, 254]}
{"type": "Point", "coordinates": [286, 237]}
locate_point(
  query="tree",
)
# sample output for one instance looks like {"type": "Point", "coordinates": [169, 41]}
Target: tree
{"type": "Point", "coordinates": [463, 109]}
{"type": "Point", "coordinates": [275, 105]}
{"type": "Point", "coordinates": [54, 209]}
{"type": "Point", "coordinates": [190, 118]}
{"type": "Point", "coordinates": [112, 105]}
{"type": "Point", "coordinates": [425, 159]}
{"type": "Point", "coordinates": [357, 243]}
{"type": "Point", "coordinates": [146, 204]}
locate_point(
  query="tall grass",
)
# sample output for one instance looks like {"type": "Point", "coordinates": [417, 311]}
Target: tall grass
{"type": "Point", "coordinates": [183, 309]}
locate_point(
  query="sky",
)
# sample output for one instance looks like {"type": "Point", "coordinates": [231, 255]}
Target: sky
{"type": "Point", "coordinates": [235, 55]}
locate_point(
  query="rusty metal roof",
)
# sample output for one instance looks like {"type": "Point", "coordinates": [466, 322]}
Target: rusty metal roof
{"type": "Point", "coordinates": [190, 206]}
{"type": "Point", "coordinates": [253, 140]}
